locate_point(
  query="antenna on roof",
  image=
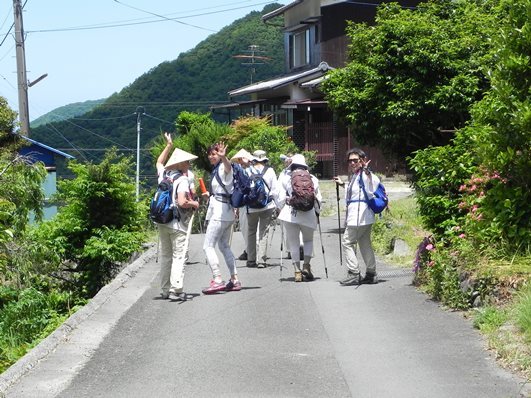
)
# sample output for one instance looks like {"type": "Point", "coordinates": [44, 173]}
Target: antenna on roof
{"type": "Point", "coordinates": [252, 58]}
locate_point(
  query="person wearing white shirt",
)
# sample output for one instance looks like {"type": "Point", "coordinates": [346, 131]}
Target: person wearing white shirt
{"type": "Point", "coordinates": [220, 217]}
{"type": "Point", "coordinates": [243, 158]}
{"type": "Point", "coordinates": [174, 235]}
{"type": "Point", "coordinates": [259, 219]}
{"type": "Point", "coordinates": [299, 223]}
{"type": "Point", "coordinates": [359, 219]}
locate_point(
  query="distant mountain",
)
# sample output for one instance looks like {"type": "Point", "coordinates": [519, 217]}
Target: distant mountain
{"type": "Point", "coordinates": [67, 112]}
{"type": "Point", "coordinates": [194, 81]}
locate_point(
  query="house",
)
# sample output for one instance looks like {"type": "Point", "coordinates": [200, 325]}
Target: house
{"type": "Point", "coordinates": [314, 43]}
{"type": "Point", "coordinates": [37, 152]}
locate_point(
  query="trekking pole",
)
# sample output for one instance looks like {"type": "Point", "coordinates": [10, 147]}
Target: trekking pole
{"type": "Point", "coordinates": [272, 233]}
{"type": "Point", "coordinates": [158, 247]}
{"type": "Point", "coordinates": [339, 227]}
{"type": "Point", "coordinates": [322, 246]}
{"type": "Point", "coordinates": [281, 248]}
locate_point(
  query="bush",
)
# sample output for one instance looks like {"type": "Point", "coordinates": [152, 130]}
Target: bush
{"type": "Point", "coordinates": [27, 318]}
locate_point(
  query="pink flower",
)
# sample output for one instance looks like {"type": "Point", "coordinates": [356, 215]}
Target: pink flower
{"type": "Point", "coordinates": [474, 208]}
{"type": "Point", "coordinates": [431, 263]}
{"type": "Point", "coordinates": [429, 247]}
{"type": "Point", "coordinates": [462, 236]}
{"type": "Point", "coordinates": [462, 188]}
{"type": "Point", "coordinates": [473, 188]}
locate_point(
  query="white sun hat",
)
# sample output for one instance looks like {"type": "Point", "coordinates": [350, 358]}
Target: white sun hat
{"type": "Point", "coordinates": [260, 156]}
{"type": "Point", "coordinates": [298, 159]}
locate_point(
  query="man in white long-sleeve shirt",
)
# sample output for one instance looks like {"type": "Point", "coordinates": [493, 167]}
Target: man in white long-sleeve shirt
{"type": "Point", "coordinates": [359, 219]}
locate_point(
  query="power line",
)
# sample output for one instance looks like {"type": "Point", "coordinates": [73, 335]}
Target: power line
{"type": "Point", "coordinates": [156, 118]}
{"type": "Point", "coordinates": [162, 16]}
{"type": "Point", "coordinates": [125, 23]}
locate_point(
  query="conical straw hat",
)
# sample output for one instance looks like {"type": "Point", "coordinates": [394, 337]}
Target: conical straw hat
{"type": "Point", "coordinates": [179, 156]}
{"type": "Point", "coordinates": [242, 153]}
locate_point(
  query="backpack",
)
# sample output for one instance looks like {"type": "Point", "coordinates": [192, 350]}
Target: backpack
{"type": "Point", "coordinates": [162, 209]}
{"type": "Point", "coordinates": [241, 184]}
{"type": "Point", "coordinates": [258, 197]}
{"type": "Point", "coordinates": [302, 191]}
{"type": "Point", "coordinates": [380, 201]}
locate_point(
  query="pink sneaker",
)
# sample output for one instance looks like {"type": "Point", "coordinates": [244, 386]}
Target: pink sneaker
{"type": "Point", "coordinates": [214, 288]}
{"type": "Point", "coordinates": [233, 286]}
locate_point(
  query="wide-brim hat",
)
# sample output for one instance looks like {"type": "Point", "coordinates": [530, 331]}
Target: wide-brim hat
{"type": "Point", "coordinates": [298, 159]}
{"type": "Point", "coordinates": [260, 156]}
{"type": "Point", "coordinates": [179, 156]}
{"type": "Point", "coordinates": [242, 153]}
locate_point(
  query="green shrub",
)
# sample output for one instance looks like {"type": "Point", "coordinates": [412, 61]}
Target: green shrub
{"type": "Point", "coordinates": [27, 318]}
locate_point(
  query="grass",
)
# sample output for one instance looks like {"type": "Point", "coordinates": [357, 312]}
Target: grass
{"type": "Point", "coordinates": [401, 221]}
{"type": "Point", "coordinates": [507, 330]}
{"type": "Point", "coordinates": [506, 322]}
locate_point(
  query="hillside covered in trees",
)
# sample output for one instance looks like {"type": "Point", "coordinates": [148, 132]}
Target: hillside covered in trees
{"type": "Point", "coordinates": [194, 81]}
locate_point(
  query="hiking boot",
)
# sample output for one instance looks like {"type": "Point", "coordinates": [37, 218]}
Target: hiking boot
{"type": "Point", "coordinates": [251, 264]}
{"type": "Point", "coordinates": [214, 287]}
{"type": "Point", "coordinates": [177, 296]}
{"type": "Point", "coordinates": [351, 279]}
{"type": "Point", "coordinates": [233, 286]}
{"type": "Point", "coordinates": [369, 279]}
{"type": "Point", "coordinates": [307, 272]}
{"type": "Point", "coordinates": [243, 256]}
{"type": "Point", "coordinates": [165, 295]}
{"type": "Point", "coordinates": [262, 265]}
{"type": "Point", "coordinates": [298, 276]}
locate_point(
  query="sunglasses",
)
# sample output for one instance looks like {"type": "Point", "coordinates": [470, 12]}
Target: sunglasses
{"type": "Point", "coordinates": [357, 160]}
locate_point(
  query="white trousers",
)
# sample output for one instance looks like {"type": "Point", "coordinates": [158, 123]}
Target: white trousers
{"type": "Point", "coordinates": [359, 236]}
{"type": "Point", "coordinates": [294, 234]}
{"type": "Point", "coordinates": [220, 233]}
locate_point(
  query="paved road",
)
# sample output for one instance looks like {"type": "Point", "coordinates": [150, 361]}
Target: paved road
{"type": "Point", "coordinates": [275, 338]}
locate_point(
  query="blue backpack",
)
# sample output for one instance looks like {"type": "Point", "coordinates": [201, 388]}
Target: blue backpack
{"type": "Point", "coordinates": [162, 209]}
{"type": "Point", "coordinates": [258, 197]}
{"type": "Point", "coordinates": [380, 201]}
{"type": "Point", "coordinates": [241, 184]}
{"type": "Point", "coordinates": [377, 204]}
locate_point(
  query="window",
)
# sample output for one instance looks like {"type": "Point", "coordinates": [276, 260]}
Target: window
{"type": "Point", "coordinates": [299, 48]}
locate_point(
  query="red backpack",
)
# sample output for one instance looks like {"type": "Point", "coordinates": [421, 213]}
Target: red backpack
{"type": "Point", "coordinates": [302, 191]}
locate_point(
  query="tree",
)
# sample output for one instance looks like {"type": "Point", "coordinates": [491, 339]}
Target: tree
{"type": "Point", "coordinates": [100, 224]}
{"type": "Point", "coordinates": [414, 74]}
{"type": "Point", "coordinates": [501, 132]}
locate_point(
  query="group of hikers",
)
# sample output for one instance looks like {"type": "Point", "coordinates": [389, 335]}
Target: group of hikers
{"type": "Point", "coordinates": [293, 198]}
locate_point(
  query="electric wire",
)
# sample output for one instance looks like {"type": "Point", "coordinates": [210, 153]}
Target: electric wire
{"type": "Point", "coordinates": [162, 16]}
{"type": "Point", "coordinates": [156, 118]}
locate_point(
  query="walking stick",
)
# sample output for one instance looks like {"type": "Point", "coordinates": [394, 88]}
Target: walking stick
{"type": "Point", "coordinates": [281, 248]}
{"type": "Point", "coordinates": [339, 227]}
{"type": "Point", "coordinates": [322, 246]}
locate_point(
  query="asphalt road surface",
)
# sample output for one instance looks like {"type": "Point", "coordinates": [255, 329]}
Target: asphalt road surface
{"type": "Point", "coordinates": [275, 338]}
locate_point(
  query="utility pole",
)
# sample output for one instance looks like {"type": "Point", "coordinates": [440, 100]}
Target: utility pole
{"type": "Point", "coordinates": [253, 57]}
{"type": "Point", "coordinates": [23, 108]}
{"type": "Point", "coordinates": [139, 113]}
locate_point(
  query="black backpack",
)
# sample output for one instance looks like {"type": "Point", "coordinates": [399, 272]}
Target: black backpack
{"type": "Point", "coordinates": [162, 209]}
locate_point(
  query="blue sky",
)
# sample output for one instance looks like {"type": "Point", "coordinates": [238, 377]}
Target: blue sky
{"type": "Point", "coordinates": [92, 49]}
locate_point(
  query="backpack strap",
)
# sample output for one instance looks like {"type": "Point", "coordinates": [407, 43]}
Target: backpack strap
{"type": "Point", "coordinates": [222, 197]}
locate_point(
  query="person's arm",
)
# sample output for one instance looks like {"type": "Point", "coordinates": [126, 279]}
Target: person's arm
{"type": "Point", "coordinates": [185, 202]}
{"type": "Point", "coordinates": [161, 160]}
{"type": "Point", "coordinates": [222, 152]}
